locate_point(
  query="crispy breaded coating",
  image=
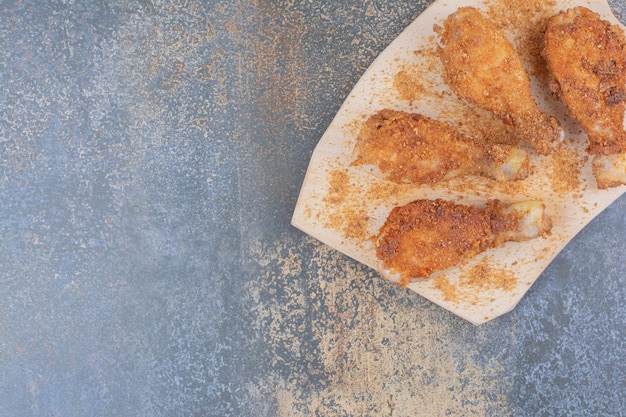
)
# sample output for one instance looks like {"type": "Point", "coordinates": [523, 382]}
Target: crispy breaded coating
{"type": "Point", "coordinates": [587, 59]}
{"type": "Point", "coordinates": [482, 67]}
{"type": "Point", "coordinates": [432, 235]}
{"type": "Point", "coordinates": [412, 148]}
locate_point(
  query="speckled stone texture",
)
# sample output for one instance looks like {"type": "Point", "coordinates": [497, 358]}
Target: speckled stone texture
{"type": "Point", "coordinates": [151, 154]}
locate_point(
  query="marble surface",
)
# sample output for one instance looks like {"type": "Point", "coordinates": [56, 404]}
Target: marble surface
{"type": "Point", "coordinates": [151, 154]}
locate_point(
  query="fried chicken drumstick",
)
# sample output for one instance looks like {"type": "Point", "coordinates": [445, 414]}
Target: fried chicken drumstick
{"type": "Point", "coordinates": [587, 59]}
{"type": "Point", "coordinates": [412, 148]}
{"type": "Point", "coordinates": [482, 67]}
{"type": "Point", "coordinates": [432, 235]}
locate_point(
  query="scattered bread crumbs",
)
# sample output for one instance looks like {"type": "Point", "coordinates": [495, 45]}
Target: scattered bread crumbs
{"type": "Point", "coordinates": [356, 226]}
{"type": "Point", "coordinates": [415, 83]}
{"type": "Point", "coordinates": [473, 283]}
{"type": "Point", "coordinates": [353, 128]}
{"type": "Point", "coordinates": [483, 276]}
{"type": "Point", "coordinates": [447, 289]}
{"type": "Point", "coordinates": [385, 191]}
{"type": "Point", "coordinates": [338, 187]}
{"type": "Point", "coordinates": [409, 87]}
{"type": "Point", "coordinates": [344, 208]}
{"type": "Point", "coordinates": [366, 351]}
{"type": "Point", "coordinates": [345, 213]}
{"type": "Point", "coordinates": [564, 168]}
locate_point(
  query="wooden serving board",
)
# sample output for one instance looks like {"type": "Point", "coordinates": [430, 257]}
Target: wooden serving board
{"type": "Point", "coordinates": [344, 206]}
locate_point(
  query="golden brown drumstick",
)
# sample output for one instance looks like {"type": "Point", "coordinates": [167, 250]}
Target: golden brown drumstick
{"type": "Point", "coordinates": [432, 235]}
{"type": "Point", "coordinates": [587, 59]}
{"type": "Point", "coordinates": [483, 68]}
{"type": "Point", "coordinates": [412, 148]}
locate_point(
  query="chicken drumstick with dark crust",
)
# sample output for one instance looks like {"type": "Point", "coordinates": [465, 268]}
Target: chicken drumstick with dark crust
{"type": "Point", "coordinates": [586, 57]}
{"type": "Point", "coordinates": [426, 236]}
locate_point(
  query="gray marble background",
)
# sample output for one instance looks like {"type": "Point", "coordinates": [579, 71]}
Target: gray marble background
{"type": "Point", "coordinates": [151, 155]}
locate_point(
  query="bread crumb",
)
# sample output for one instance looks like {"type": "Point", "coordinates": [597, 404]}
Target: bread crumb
{"type": "Point", "coordinates": [447, 289]}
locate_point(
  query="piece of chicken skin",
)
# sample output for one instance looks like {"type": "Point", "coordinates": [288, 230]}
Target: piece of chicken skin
{"type": "Point", "coordinates": [426, 236]}
{"type": "Point", "coordinates": [482, 67]}
{"type": "Point", "coordinates": [412, 148]}
{"type": "Point", "coordinates": [586, 57]}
